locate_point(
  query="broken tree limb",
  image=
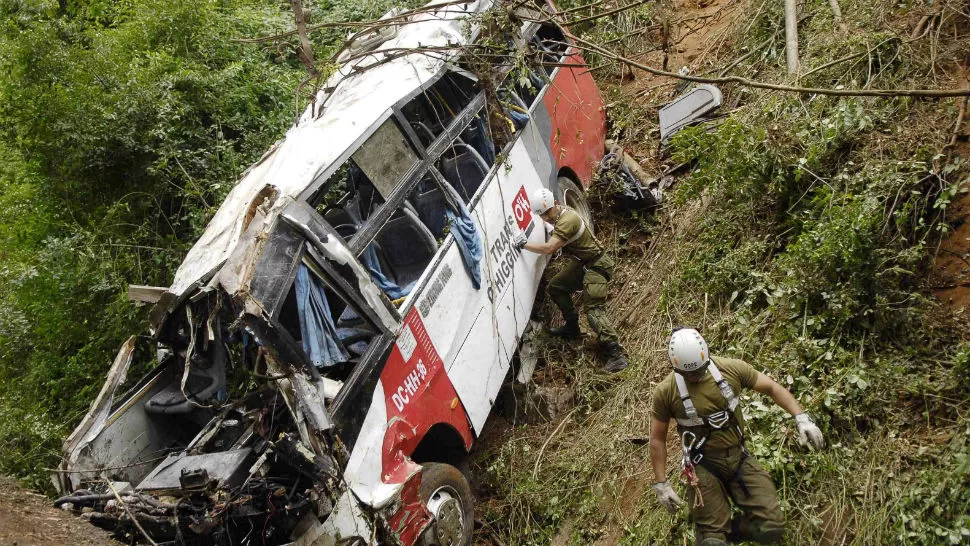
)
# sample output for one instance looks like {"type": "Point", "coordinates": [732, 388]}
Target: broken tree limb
{"type": "Point", "coordinates": [305, 50]}
{"type": "Point", "coordinates": [366, 25]}
{"type": "Point", "coordinates": [607, 13]}
{"type": "Point", "coordinates": [937, 93]}
{"type": "Point", "coordinates": [791, 36]}
{"type": "Point", "coordinates": [959, 124]}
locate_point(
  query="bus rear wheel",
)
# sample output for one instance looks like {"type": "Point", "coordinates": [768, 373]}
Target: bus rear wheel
{"type": "Point", "coordinates": [572, 195]}
{"type": "Point", "coordinates": [446, 493]}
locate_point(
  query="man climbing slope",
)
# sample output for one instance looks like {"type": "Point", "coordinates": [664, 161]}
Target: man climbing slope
{"type": "Point", "coordinates": [589, 269]}
{"type": "Point", "coordinates": [701, 394]}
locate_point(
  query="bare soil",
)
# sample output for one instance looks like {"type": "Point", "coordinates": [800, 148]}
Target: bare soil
{"type": "Point", "coordinates": [952, 283]}
{"type": "Point", "coordinates": [30, 519]}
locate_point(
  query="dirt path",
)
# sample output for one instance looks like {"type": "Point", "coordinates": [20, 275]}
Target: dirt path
{"type": "Point", "coordinates": [30, 519]}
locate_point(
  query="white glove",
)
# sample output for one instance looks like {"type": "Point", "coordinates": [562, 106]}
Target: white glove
{"type": "Point", "coordinates": [808, 431]}
{"type": "Point", "coordinates": [519, 239]}
{"type": "Point", "coordinates": [667, 496]}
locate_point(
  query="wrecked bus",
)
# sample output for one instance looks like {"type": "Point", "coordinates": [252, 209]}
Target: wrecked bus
{"type": "Point", "coordinates": [332, 345]}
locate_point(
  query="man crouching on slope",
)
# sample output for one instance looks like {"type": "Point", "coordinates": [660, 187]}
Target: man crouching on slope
{"type": "Point", "coordinates": [701, 394]}
{"type": "Point", "coordinates": [589, 269]}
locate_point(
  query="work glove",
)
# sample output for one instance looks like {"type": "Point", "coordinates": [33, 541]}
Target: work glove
{"type": "Point", "coordinates": [519, 240]}
{"type": "Point", "coordinates": [667, 497]}
{"type": "Point", "coordinates": [808, 432]}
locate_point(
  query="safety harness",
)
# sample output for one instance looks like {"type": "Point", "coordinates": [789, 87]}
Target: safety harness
{"type": "Point", "coordinates": [692, 442]}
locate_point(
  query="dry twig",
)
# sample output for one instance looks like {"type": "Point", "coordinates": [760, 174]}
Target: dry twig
{"type": "Point", "coordinates": [124, 505]}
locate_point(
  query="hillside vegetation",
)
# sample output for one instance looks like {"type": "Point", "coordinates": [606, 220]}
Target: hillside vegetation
{"type": "Point", "coordinates": [804, 238]}
{"type": "Point", "coordinates": [123, 125]}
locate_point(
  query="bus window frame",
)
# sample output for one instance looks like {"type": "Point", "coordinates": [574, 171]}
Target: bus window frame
{"type": "Point", "coordinates": [427, 159]}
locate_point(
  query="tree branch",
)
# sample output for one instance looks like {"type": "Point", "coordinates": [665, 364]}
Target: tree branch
{"type": "Point", "coordinates": [745, 82]}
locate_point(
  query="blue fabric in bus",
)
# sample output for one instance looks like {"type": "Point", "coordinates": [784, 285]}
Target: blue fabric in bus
{"type": "Point", "coordinates": [518, 118]}
{"type": "Point", "coordinates": [469, 242]}
{"type": "Point", "coordinates": [370, 261]}
{"type": "Point", "coordinates": [316, 323]}
{"type": "Point", "coordinates": [359, 348]}
{"type": "Point", "coordinates": [349, 316]}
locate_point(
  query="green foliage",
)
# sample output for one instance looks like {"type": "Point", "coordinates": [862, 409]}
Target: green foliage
{"type": "Point", "coordinates": [122, 126]}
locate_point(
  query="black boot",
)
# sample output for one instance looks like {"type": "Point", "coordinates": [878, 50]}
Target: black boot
{"type": "Point", "coordinates": [570, 330]}
{"type": "Point", "coordinates": [615, 357]}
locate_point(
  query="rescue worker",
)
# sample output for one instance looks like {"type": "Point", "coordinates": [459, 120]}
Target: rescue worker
{"type": "Point", "coordinates": [701, 394]}
{"type": "Point", "coordinates": [589, 269]}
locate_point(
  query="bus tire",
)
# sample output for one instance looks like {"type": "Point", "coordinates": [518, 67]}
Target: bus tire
{"type": "Point", "coordinates": [447, 495]}
{"type": "Point", "coordinates": [571, 194]}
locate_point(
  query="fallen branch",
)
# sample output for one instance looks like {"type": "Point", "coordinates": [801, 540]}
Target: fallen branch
{"type": "Point", "coordinates": [535, 470]}
{"type": "Point", "coordinates": [742, 58]}
{"type": "Point", "coordinates": [588, 46]}
{"type": "Point", "coordinates": [956, 129]}
{"type": "Point", "coordinates": [124, 505]}
{"type": "Point", "coordinates": [366, 25]}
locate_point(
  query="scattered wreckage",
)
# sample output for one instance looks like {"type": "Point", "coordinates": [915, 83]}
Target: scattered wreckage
{"type": "Point", "coordinates": [332, 345]}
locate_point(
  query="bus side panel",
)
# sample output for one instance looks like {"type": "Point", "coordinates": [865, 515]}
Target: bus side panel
{"type": "Point", "coordinates": [510, 279]}
{"type": "Point", "coordinates": [578, 119]}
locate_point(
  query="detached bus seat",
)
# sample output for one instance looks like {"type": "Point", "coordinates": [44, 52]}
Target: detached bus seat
{"type": "Point", "coordinates": [342, 222]}
{"type": "Point", "coordinates": [465, 169]}
{"type": "Point", "coordinates": [206, 381]}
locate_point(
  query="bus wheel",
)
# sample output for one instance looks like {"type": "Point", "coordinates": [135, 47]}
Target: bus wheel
{"type": "Point", "coordinates": [572, 195]}
{"type": "Point", "coordinates": [446, 493]}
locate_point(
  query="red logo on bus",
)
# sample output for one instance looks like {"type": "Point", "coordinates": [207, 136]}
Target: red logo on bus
{"type": "Point", "coordinates": [522, 209]}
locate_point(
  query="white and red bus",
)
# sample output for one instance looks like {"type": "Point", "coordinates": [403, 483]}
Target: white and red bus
{"type": "Point", "coordinates": [333, 344]}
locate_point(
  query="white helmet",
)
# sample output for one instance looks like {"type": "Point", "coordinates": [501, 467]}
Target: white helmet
{"type": "Point", "coordinates": [687, 350]}
{"type": "Point", "coordinates": [542, 200]}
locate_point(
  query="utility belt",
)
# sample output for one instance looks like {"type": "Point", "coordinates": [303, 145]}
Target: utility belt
{"type": "Point", "coordinates": [724, 452]}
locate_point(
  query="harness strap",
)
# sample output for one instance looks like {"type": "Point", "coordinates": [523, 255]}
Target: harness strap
{"type": "Point", "coordinates": [580, 231]}
{"type": "Point", "coordinates": [693, 420]}
{"type": "Point", "coordinates": [719, 418]}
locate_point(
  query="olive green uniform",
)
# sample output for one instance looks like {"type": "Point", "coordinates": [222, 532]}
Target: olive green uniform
{"type": "Point", "coordinates": [725, 472]}
{"type": "Point", "coordinates": [589, 269]}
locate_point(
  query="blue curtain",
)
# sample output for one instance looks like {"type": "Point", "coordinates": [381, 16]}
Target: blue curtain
{"type": "Point", "coordinates": [468, 240]}
{"type": "Point", "coordinates": [316, 322]}
{"type": "Point", "coordinates": [370, 261]}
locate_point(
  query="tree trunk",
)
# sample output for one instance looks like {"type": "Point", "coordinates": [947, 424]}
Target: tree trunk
{"type": "Point", "coordinates": [791, 36]}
